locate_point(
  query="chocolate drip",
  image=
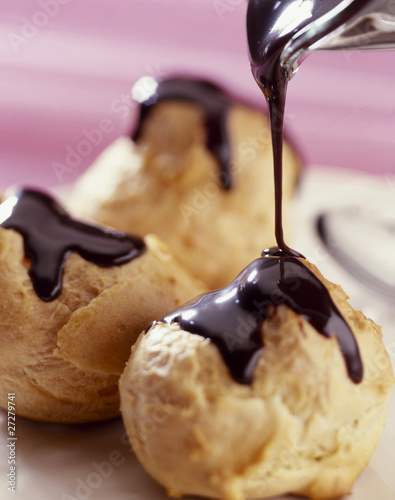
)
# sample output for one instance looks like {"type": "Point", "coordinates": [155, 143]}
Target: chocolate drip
{"type": "Point", "coordinates": [49, 234]}
{"type": "Point", "coordinates": [232, 317]}
{"type": "Point", "coordinates": [270, 26]}
{"type": "Point", "coordinates": [215, 104]}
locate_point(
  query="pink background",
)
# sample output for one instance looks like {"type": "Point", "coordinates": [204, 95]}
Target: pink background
{"type": "Point", "coordinates": [67, 67]}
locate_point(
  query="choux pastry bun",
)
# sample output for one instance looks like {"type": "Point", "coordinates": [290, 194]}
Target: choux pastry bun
{"type": "Point", "coordinates": [66, 322]}
{"type": "Point", "coordinates": [259, 390]}
{"type": "Point", "coordinates": [198, 172]}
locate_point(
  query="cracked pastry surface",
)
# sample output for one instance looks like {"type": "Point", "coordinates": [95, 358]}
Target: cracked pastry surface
{"type": "Point", "coordinates": [63, 358]}
{"type": "Point", "coordinates": [302, 426]}
{"type": "Point", "coordinates": [168, 183]}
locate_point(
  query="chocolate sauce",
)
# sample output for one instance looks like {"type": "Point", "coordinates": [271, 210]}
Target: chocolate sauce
{"type": "Point", "coordinates": [270, 26]}
{"type": "Point", "coordinates": [232, 317]}
{"type": "Point", "coordinates": [214, 103]}
{"type": "Point", "coordinates": [50, 234]}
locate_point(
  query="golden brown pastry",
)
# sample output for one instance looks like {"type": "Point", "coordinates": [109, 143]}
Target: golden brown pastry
{"type": "Point", "coordinates": [206, 199]}
{"type": "Point", "coordinates": [304, 424]}
{"type": "Point", "coordinates": [62, 357]}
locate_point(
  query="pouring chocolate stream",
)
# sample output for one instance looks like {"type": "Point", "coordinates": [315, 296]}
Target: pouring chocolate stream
{"type": "Point", "coordinates": [232, 317]}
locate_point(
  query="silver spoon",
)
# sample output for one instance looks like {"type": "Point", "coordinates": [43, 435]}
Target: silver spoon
{"type": "Point", "coordinates": [362, 241]}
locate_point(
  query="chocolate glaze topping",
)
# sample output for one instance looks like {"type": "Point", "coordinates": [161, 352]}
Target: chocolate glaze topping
{"type": "Point", "coordinates": [232, 317]}
{"type": "Point", "coordinates": [50, 234]}
{"type": "Point", "coordinates": [214, 103]}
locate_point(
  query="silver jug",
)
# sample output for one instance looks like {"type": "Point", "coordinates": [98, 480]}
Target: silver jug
{"type": "Point", "coordinates": [349, 25]}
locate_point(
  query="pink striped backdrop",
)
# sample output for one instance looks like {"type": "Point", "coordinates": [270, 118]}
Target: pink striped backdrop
{"type": "Point", "coordinates": [67, 67]}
